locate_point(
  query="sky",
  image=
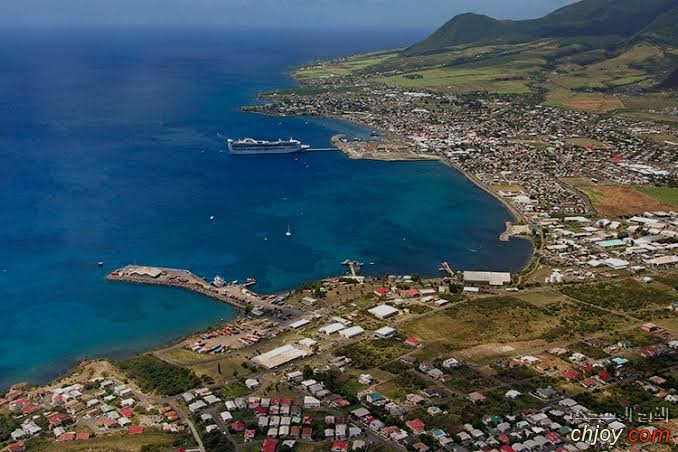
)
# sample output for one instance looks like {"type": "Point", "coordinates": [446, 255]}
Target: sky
{"type": "Point", "coordinates": [418, 14]}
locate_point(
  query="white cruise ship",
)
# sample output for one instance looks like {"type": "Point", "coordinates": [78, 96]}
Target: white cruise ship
{"type": "Point", "coordinates": [252, 146]}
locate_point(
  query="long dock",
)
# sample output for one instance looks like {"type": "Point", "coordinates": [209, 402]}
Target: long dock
{"type": "Point", "coordinates": [184, 279]}
{"type": "Point", "coordinates": [233, 294]}
{"type": "Point", "coordinates": [445, 266]}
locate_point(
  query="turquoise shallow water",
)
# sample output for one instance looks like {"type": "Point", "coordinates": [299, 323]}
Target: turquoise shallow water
{"type": "Point", "coordinates": [110, 153]}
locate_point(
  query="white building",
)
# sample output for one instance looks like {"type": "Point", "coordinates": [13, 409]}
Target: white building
{"type": "Point", "coordinates": [352, 332]}
{"type": "Point", "coordinates": [383, 311]}
{"type": "Point", "coordinates": [385, 332]}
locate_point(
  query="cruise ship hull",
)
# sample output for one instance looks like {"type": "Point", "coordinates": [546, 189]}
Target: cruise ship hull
{"type": "Point", "coordinates": [253, 147]}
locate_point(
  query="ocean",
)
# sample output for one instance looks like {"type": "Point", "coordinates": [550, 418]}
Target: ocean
{"type": "Point", "coordinates": [110, 148]}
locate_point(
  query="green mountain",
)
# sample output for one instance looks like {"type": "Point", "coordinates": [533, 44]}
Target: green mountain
{"type": "Point", "coordinates": [586, 20]}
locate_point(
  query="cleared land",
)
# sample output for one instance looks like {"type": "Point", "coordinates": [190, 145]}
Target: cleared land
{"type": "Point", "coordinates": [617, 201]}
{"type": "Point", "coordinates": [118, 442]}
{"type": "Point", "coordinates": [497, 326]}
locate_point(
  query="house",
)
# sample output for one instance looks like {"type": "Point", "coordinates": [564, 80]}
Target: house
{"type": "Point", "coordinates": [413, 342]}
{"type": "Point", "coordinates": [512, 394]}
{"type": "Point", "coordinates": [269, 445]}
{"type": "Point", "coordinates": [604, 377]}
{"type": "Point", "coordinates": [339, 446]}
{"type": "Point", "coordinates": [649, 327]}
{"type": "Point", "coordinates": [546, 393]}
{"type": "Point", "coordinates": [311, 402]}
{"type": "Point", "coordinates": [16, 447]}
{"type": "Point", "coordinates": [451, 363]}
{"type": "Point", "coordinates": [416, 425]}
{"type": "Point", "coordinates": [136, 430]}
{"type": "Point", "coordinates": [58, 419]}
{"type": "Point", "coordinates": [251, 383]}
{"type": "Point", "coordinates": [476, 397]}
{"type": "Point", "coordinates": [373, 397]}
{"type": "Point", "coordinates": [385, 332]}
{"type": "Point", "coordinates": [570, 374]}
{"type": "Point", "coordinates": [381, 292]}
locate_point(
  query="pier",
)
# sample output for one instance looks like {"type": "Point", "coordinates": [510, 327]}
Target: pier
{"type": "Point", "coordinates": [445, 266]}
{"type": "Point", "coordinates": [234, 294]}
{"type": "Point", "coordinates": [353, 268]}
{"type": "Point", "coordinates": [321, 149]}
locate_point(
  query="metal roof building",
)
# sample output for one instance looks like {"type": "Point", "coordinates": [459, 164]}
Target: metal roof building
{"type": "Point", "coordinates": [487, 278]}
{"type": "Point", "coordinates": [279, 356]}
{"type": "Point", "coordinates": [383, 311]}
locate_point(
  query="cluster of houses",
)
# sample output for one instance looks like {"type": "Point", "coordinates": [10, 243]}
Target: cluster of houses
{"type": "Point", "coordinates": [636, 244]}
{"type": "Point", "coordinates": [104, 403]}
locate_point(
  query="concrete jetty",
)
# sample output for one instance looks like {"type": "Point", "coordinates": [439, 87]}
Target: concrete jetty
{"type": "Point", "coordinates": [233, 294]}
{"type": "Point", "coordinates": [445, 267]}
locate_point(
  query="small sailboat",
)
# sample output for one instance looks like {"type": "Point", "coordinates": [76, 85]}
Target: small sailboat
{"type": "Point", "coordinates": [289, 231]}
{"type": "Point", "coordinates": [100, 263]}
{"type": "Point", "coordinates": [211, 217]}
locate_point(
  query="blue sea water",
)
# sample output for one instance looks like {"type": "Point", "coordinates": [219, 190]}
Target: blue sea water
{"type": "Point", "coordinates": [109, 152]}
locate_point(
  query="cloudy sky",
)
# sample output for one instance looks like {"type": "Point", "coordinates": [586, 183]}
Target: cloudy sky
{"type": "Point", "coordinates": [420, 14]}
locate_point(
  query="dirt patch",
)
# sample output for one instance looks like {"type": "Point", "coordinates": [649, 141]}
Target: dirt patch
{"type": "Point", "coordinates": [596, 105]}
{"type": "Point", "coordinates": [617, 201]}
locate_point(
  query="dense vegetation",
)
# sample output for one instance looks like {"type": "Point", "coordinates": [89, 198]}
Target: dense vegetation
{"type": "Point", "coordinates": [7, 426]}
{"type": "Point", "coordinates": [155, 375]}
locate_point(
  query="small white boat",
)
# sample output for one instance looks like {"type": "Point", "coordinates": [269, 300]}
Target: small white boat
{"type": "Point", "coordinates": [289, 231]}
{"type": "Point", "coordinates": [100, 263]}
{"type": "Point", "coordinates": [211, 217]}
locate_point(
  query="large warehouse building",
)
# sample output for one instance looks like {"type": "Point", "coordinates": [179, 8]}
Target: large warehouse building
{"type": "Point", "coordinates": [279, 356]}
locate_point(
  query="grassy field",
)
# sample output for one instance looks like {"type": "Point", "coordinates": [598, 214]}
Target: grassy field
{"type": "Point", "coordinates": [588, 142]}
{"type": "Point", "coordinates": [501, 326]}
{"type": "Point", "coordinates": [367, 354]}
{"type": "Point", "coordinates": [462, 80]}
{"type": "Point", "coordinates": [628, 296]}
{"type": "Point", "coordinates": [615, 201]}
{"type": "Point", "coordinates": [559, 96]}
{"type": "Point", "coordinates": [342, 67]}
{"type": "Point", "coordinates": [668, 195]}
{"type": "Point", "coordinates": [116, 442]}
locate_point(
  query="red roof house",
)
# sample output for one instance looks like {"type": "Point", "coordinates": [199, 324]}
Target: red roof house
{"type": "Point", "coordinates": [571, 374]}
{"type": "Point", "coordinates": [413, 341]}
{"type": "Point", "coordinates": [82, 436]}
{"type": "Point", "coordinates": [136, 430]}
{"type": "Point", "coordinates": [16, 447]}
{"type": "Point", "coordinates": [604, 376]}
{"type": "Point", "coordinates": [269, 445]}
{"type": "Point", "coordinates": [410, 293]}
{"type": "Point", "coordinates": [127, 412]}
{"type": "Point", "coordinates": [416, 425]}
{"type": "Point", "coordinates": [66, 437]}
{"type": "Point", "coordinates": [238, 426]}
{"type": "Point", "coordinates": [339, 446]}
{"type": "Point", "coordinates": [58, 419]}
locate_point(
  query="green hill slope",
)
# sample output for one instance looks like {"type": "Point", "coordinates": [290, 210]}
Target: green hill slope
{"type": "Point", "coordinates": [587, 19]}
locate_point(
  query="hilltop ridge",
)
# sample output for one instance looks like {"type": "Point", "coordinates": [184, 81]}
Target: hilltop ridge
{"type": "Point", "coordinates": [586, 19]}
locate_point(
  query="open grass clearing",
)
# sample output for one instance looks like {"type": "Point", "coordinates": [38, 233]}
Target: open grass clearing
{"type": "Point", "coordinates": [151, 439]}
{"type": "Point", "coordinates": [617, 201]}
